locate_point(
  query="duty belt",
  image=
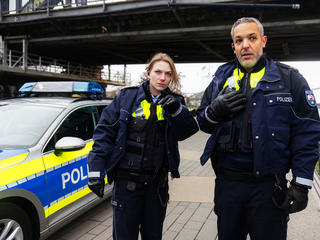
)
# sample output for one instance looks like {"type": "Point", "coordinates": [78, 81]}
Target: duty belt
{"type": "Point", "coordinates": [245, 177]}
{"type": "Point", "coordinates": [141, 177]}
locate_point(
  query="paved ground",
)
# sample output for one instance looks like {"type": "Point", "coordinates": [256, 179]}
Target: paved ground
{"type": "Point", "coordinates": [189, 213]}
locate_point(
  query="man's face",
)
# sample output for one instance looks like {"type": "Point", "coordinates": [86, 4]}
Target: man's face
{"type": "Point", "coordinates": [248, 44]}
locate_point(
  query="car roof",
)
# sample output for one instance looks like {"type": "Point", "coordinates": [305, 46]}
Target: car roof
{"type": "Point", "coordinates": [62, 102]}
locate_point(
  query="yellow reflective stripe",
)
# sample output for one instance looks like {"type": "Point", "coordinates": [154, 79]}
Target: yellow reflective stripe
{"type": "Point", "coordinates": [13, 160]}
{"type": "Point", "coordinates": [20, 171]}
{"type": "Point", "coordinates": [256, 77]}
{"type": "Point", "coordinates": [53, 160]}
{"type": "Point", "coordinates": [238, 75]}
{"type": "Point", "coordinates": [225, 84]}
{"type": "Point", "coordinates": [159, 112]}
{"type": "Point", "coordinates": [66, 201]}
{"type": "Point", "coordinates": [146, 108]}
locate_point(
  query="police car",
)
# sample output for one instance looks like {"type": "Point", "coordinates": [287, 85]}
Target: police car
{"type": "Point", "coordinates": [45, 137]}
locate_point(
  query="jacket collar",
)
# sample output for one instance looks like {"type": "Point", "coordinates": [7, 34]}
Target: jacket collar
{"type": "Point", "coordinates": [144, 92]}
{"type": "Point", "coordinates": [271, 74]}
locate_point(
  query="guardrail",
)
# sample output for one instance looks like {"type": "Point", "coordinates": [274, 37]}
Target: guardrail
{"type": "Point", "coordinates": [16, 59]}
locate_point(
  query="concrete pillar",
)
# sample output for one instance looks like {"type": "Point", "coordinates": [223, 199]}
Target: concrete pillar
{"type": "Point", "coordinates": [124, 72]}
{"type": "Point", "coordinates": [109, 72]}
{"type": "Point", "coordinates": [4, 51]}
{"type": "Point", "coordinates": [25, 54]}
{"type": "Point", "coordinates": [18, 5]}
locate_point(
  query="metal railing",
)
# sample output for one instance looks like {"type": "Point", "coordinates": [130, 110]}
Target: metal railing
{"type": "Point", "coordinates": [16, 59]}
{"type": "Point", "coordinates": [35, 5]}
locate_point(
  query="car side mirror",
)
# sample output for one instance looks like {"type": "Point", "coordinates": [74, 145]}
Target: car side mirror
{"type": "Point", "coordinates": [70, 144]}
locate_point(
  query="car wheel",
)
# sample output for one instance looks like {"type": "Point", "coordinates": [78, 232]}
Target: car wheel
{"type": "Point", "coordinates": [14, 223]}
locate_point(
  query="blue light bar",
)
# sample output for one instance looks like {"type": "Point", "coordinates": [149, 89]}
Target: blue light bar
{"type": "Point", "coordinates": [92, 87]}
{"type": "Point", "coordinates": [27, 87]}
{"type": "Point", "coordinates": [61, 87]}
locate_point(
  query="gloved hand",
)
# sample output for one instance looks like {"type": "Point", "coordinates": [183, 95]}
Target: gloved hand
{"type": "Point", "coordinates": [96, 185]}
{"type": "Point", "coordinates": [296, 198]}
{"type": "Point", "coordinates": [170, 104]}
{"type": "Point", "coordinates": [226, 105]}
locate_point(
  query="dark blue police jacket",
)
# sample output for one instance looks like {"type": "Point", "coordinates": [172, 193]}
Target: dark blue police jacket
{"type": "Point", "coordinates": [285, 122]}
{"type": "Point", "coordinates": [110, 134]}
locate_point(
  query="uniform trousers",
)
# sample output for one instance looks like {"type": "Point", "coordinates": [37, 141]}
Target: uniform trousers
{"type": "Point", "coordinates": [247, 208]}
{"type": "Point", "coordinates": [138, 207]}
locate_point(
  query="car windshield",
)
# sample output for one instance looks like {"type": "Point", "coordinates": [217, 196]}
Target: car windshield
{"type": "Point", "coordinates": [23, 125]}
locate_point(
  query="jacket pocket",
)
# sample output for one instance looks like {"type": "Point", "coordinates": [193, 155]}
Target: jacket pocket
{"type": "Point", "coordinates": [278, 109]}
{"type": "Point", "coordinates": [279, 144]}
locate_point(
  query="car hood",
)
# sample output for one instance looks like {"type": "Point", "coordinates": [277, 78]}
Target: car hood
{"type": "Point", "coordinates": [12, 157]}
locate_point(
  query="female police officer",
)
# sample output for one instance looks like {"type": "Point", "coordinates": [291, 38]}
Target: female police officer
{"type": "Point", "coordinates": [136, 142]}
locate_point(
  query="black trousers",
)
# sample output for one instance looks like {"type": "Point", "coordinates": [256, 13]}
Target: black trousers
{"type": "Point", "coordinates": [247, 208]}
{"type": "Point", "coordinates": [138, 207]}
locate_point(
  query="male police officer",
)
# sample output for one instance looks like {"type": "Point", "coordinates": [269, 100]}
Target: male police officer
{"type": "Point", "coordinates": [263, 121]}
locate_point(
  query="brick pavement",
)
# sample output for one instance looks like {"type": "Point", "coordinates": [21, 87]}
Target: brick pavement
{"type": "Point", "coordinates": [188, 218]}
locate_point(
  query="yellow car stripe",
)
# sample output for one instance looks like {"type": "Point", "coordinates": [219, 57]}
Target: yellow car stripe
{"type": "Point", "coordinates": [36, 166]}
{"type": "Point", "coordinates": [20, 171]}
{"type": "Point", "coordinates": [53, 160]}
{"type": "Point", "coordinates": [64, 202]}
{"type": "Point", "coordinates": [13, 160]}
{"type": "Point", "coordinates": [68, 200]}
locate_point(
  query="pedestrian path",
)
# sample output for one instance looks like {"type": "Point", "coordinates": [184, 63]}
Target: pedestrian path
{"type": "Point", "coordinates": [190, 213]}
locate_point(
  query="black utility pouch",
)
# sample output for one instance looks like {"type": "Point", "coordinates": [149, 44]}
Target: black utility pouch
{"type": "Point", "coordinates": [280, 191]}
{"type": "Point", "coordinates": [138, 124]}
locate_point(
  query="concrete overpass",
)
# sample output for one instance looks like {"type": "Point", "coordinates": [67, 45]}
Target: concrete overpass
{"type": "Point", "coordinates": [128, 32]}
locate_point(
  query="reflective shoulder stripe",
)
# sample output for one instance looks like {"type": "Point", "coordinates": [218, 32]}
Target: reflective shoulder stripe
{"type": "Point", "coordinates": [160, 112]}
{"type": "Point", "coordinates": [256, 77]}
{"type": "Point", "coordinates": [233, 81]}
{"type": "Point", "coordinates": [238, 75]}
{"type": "Point", "coordinates": [145, 109]}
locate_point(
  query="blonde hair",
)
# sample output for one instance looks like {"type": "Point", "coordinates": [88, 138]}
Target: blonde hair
{"type": "Point", "coordinates": [175, 83]}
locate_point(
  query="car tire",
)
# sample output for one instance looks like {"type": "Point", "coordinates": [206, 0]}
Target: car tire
{"type": "Point", "coordinates": [14, 221]}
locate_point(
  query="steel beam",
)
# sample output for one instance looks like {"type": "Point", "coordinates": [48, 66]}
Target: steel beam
{"type": "Point", "coordinates": [132, 7]}
{"type": "Point", "coordinates": [206, 47]}
{"type": "Point", "coordinates": [216, 31]}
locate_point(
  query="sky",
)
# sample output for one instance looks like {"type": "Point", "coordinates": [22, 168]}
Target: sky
{"type": "Point", "coordinates": [197, 76]}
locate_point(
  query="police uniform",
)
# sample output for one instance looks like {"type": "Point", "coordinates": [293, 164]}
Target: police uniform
{"type": "Point", "coordinates": [278, 130]}
{"type": "Point", "coordinates": [136, 143]}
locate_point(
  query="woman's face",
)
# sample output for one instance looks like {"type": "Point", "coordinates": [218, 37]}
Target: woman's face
{"type": "Point", "coordinates": [160, 77]}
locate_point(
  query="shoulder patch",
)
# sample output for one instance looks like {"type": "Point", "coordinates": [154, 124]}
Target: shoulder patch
{"type": "Point", "coordinates": [311, 100]}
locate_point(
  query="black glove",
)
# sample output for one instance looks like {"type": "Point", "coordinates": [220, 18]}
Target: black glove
{"type": "Point", "coordinates": [97, 186]}
{"type": "Point", "coordinates": [226, 105]}
{"type": "Point", "coordinates": [296, 198]}
{"type": "Point", "coordinates": [170, 104]}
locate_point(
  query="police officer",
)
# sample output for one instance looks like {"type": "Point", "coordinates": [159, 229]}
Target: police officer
{"type": "Point", "coordinates": [263, 121]}
{"type": "Point", "coordinates": [136, 142]}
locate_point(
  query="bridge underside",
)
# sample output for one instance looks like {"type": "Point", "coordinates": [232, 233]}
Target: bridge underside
{"type": "Point", "coordinates": [131, 32]}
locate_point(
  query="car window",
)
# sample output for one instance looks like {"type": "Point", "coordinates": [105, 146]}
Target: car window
{"type": "Point", "coordinates": [22, 125]}
{"type": "Point", "coordinates": [80, 123]}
